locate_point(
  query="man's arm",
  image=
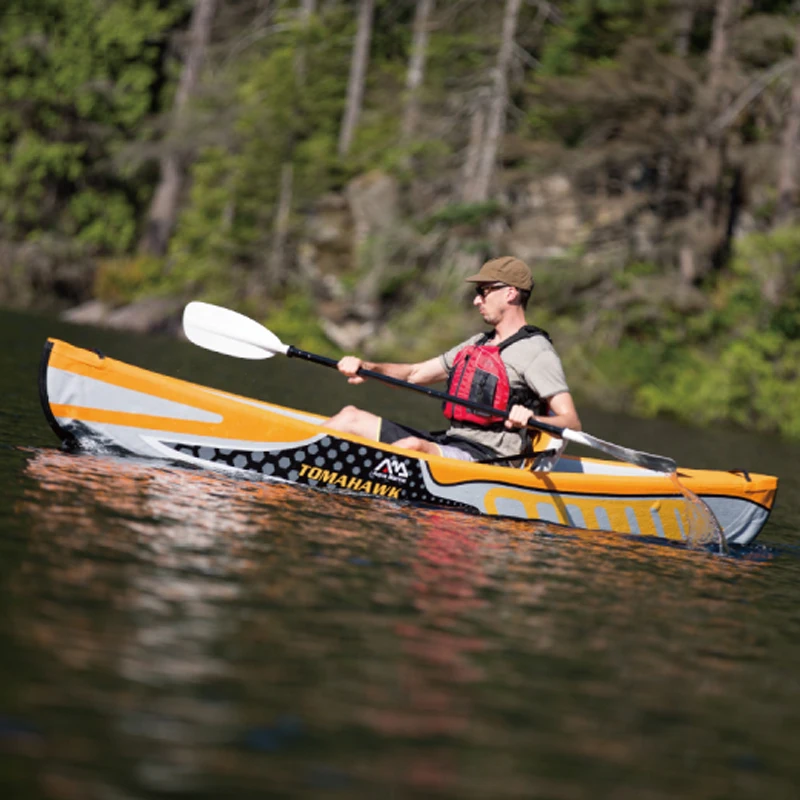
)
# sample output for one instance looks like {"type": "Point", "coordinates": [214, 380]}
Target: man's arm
{"type": "Point", "coordinates": [562, 406]}
{"type": "Point", "coordinates": [423, 372]}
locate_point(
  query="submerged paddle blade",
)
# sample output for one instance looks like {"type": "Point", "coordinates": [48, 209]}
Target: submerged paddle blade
{"type": "Point", "coordinates": [641, 459]}
{"type": "Point", "coordinates": [228, 332]}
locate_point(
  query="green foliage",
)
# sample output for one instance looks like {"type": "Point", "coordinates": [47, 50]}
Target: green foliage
{"type": "Point", "coordinates": [752, 382]}
{"type": "Point", "coordinates": [438, 316]}
{"type": "Point", "coordinates": [280, 114]}
{"type": "Point", "coordinates": [461, 214]}
{"type": "Point", "coordinates": [202, 240]}
{"type": "Point", "coordinates": [628, 275]}
{"type": "Point", "coordinates": [103, 220]}
{"type": "Point", "coordinates": [122, 280]}
{"type": "Point", "coordinates": [457, 53]}
{"type": "Point", "coordinates": [592, 31]}
{"type": "Point", "coordinates": [738, 362]}
{"type": "Point", "coordinates": [296, 321]}
{"type": "Point", "coordinates": [766, 286]}
{"type": "Point", "coordinates": [79, 77]}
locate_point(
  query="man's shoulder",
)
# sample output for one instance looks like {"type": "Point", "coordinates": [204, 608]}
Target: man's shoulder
{"type": "Point", "coordinates": [534, 341]}
{"type": "Point", "coordinates": [447, 358]}
{"type": "Point", "coordinates": [533, 353]}
{"type": "Point", "coordinates": [476, 338]}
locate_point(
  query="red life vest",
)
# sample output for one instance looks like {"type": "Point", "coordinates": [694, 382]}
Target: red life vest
{"type": "Point", "coordinates": [479, 375]}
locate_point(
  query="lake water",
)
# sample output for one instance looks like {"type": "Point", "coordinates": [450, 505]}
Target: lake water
{"type": "Point", "coordinates": [175, 633]}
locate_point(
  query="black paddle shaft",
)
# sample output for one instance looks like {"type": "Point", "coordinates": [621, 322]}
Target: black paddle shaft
{"type": "Point", "coordinates": [294, 352]}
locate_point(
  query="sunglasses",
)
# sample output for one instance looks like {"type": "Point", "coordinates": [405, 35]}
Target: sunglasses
{"type": "Point", "coordinates": [484, 289]}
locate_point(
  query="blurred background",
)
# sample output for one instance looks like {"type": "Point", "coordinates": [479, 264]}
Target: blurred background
{"type": "Point", "coordinates": [334, 168]}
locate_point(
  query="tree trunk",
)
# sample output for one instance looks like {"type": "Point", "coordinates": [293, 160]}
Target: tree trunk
{"type": "Point", "coordinates": [358, 75]}
{"type": "Point", "coordinates": [477, 130]}
{"type": "Point", "coordinates": [787, 169]}
{"type": "Point", "coordinates": [495, 124]}
{"type": "Point", "coordinates": [713, 150]}
{"type": "Point", "coordinates": [416, 66]}
{"type": "Point", "coordinates": [307, 9]}
{"type": "Point", "coordinates": [280, 233]}
{"type": "Point", "coordinates": [723, 19]}
{"type": "Point", "coordinates": [164, 205]}
{"type": "Point", "coordinates": [684, 22]}
{"type": "Point", "coordinates": [708, 243]}
{"type": "Point", "coordinates": [281, 225]}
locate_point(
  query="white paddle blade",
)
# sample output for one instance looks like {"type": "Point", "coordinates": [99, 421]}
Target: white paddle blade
{"type": "Point", "coordinates": [228, 332]}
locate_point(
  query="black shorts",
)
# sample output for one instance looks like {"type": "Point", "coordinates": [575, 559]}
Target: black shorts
{"type": "Point", "coordinates": [392, 431]}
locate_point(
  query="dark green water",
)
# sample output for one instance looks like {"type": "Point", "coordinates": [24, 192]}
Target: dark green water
{"type": "Point", "coordinates": [172, 633]}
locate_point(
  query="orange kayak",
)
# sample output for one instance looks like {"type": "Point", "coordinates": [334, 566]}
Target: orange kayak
{"type": "Point", "coordinates": [97, 403]}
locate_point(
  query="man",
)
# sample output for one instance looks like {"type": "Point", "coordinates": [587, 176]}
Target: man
{"type": "Point", "coordinates": [512, 365]}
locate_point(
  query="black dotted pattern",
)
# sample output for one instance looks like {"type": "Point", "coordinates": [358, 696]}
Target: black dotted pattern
{"type": "Point", "coordinates": [330, 454]}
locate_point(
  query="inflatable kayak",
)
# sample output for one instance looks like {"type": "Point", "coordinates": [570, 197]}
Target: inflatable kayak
{"type": "Point", "coordinates": [97, 403]}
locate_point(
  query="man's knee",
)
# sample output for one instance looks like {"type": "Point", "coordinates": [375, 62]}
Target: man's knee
{"type": "Point", "coordinates": [354, 420]}
{"type": "Point", "coordinates": [415, 443]}
{"type": "Point", "coordinates": [348, 414]}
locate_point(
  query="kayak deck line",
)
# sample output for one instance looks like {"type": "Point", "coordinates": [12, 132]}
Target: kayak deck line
{"type": "Point", "coordinates": [95, 401]}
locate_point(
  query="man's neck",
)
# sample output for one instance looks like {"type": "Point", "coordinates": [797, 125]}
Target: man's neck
{"type": "Point", "coordinates": [508, 326]}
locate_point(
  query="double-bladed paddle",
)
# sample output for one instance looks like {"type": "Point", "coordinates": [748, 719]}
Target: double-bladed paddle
{"type": "Point", "coordinates": [225, 331]}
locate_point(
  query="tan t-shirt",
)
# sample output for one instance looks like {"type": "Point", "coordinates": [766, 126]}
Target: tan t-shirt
{"type": "Point", "coordinates": [531, 362]}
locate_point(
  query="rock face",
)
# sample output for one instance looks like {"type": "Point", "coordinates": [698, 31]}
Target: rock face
{"type": "Point", "coordinates": [374, 201]}
{"type": "Point", "coordinates": [549, 221]}
{"type": "Point", "coordinates": [153, 315]}
{"type": "Point", "coordinates": [340, 225]}
{"type": "Point", "coordinates": [343, 255]}
{"type": "Point", "coordinates": [358, 244]}
{"type": "Point", "coordinates": [327, 246]}
{"type": "Point", "coordinates": [47, 274]}
{"type": "Point", "coordinates": [552, 219]}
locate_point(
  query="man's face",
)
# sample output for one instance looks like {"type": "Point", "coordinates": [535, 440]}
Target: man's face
{"type": "Point", "coordinates": [491, 300]}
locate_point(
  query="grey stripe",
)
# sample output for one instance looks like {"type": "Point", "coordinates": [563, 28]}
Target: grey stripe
{"type": "Point", "coordinates": [67, 388]}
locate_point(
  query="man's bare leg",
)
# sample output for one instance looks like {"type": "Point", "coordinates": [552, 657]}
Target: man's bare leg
{"type": "Point", "coordinates": [420, 445]}
{"type": "Point", "coordinates": [354, 420]}
{"type": "Point", "coordinates": [362, 423]}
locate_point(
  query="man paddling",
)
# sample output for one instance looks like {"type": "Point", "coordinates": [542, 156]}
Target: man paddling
{"type": "Point", "coordinates": [513, 366]}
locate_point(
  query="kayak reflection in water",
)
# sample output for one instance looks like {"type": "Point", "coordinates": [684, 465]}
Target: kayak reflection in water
{"type": "Point", "coordinates": [513, 368]}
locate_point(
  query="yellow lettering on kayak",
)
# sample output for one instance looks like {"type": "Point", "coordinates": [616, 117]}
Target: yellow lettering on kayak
{"type": "Point", "coordinates": [348, 482]}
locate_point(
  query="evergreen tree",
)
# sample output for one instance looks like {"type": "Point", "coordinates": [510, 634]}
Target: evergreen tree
{"type": "Point", "coordinates": [79, 81]}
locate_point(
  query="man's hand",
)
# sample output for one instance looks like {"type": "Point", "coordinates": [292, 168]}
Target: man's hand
{"type": "Point", "coordinates": [562, 414]}
{"type": "Point", "coordinates": [518, 417]}
{"type": "Point", "coordinates": [349, 366]}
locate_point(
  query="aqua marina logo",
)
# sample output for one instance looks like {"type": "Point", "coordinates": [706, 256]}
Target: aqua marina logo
{"type": "Point", "coordinates": [391, 469]}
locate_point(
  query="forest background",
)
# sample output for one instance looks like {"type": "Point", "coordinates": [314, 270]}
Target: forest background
{"type": "Point", "coordinates": [335, 168]}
